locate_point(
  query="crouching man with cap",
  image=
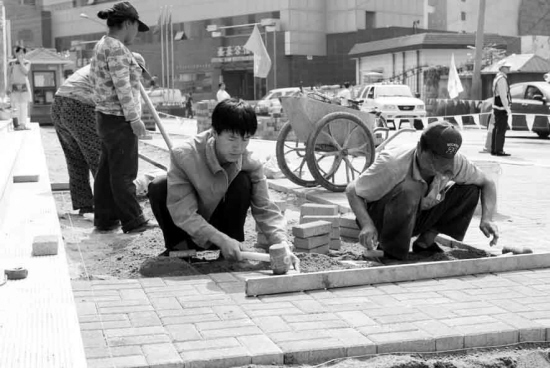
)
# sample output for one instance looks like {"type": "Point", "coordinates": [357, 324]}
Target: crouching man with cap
{"type": "Point", "coordinates": [421, 192]}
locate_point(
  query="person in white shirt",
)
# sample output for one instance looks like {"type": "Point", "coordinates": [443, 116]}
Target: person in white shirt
{"type": "Point", "coordinates": [222, 94]}
{"type": "Point", "coordinates": [345, 95]}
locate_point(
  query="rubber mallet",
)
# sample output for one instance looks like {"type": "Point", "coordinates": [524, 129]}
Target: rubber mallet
{"type": "Point", "coordinates": [278, 257]}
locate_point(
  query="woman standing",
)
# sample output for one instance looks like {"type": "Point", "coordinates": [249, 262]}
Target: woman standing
{"type": "Point", "coordinates": [116, 79]}
{"type": "Point", "coordinates": [73, 115]}
{"type": "Point", "coordinates": [19, 87]}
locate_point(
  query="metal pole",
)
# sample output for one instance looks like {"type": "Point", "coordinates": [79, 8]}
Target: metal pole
{"type": "Point", "coordinates": [167, 44]}
{"type": "Point", "coordinates": [172, 42]}
{"type": "Point", "coordinates": [161, 21]}
{"type": "Point", "coordinates": [266, 79]}
{"type": "Point", "coordinates": [274, 59]}
{"type": "Point", "coordinates": [4, 53]}
{"type": "Point", "coordinates": [476, 78]}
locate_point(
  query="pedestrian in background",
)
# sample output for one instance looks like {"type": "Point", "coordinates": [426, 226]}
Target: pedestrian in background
{"type": "Point", "coordinates": [222, 93]}
{"type": "Point", "coordinates": [116, 75]}
{"type": "Point", "coordinates": [502, 102]}
{"type": "Point", "coordinates": [345, 95]}
{"type": "Point", "coordinates": [189, 105]}
{"type": "Point", "coordinates": [18, 87]}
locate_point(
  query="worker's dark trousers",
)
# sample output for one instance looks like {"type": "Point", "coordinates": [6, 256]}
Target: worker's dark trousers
{"type": "Point", "coordinates": [229, 217]}
{"type": "Point", "coordinates": [499, 131]}
{"type": "Point", "coordinates": [397, 215]}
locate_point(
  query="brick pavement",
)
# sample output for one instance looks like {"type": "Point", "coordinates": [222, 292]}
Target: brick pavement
{"type": "Point", "coordinates": [206, 321]}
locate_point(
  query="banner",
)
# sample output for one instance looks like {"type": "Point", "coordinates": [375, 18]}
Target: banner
{"type": "Point", "coordinates": [262, 61]}
{"type": "Point", "coordinates": [454, 86]}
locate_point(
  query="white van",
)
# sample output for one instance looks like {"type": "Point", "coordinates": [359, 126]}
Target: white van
{"type": "Point", "coordinates": [270, 103]}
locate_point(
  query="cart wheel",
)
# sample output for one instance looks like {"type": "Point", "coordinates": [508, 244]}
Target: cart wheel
{"type": "Point", "coordinates": [291, 158]}
{"type": "Point", "coordinates": [339, 137]}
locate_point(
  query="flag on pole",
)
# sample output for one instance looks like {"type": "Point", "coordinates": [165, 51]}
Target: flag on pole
{"type": "Point", "coordinates": [454, 86]}
{"type": "Point", "coordinates": [262, 62]}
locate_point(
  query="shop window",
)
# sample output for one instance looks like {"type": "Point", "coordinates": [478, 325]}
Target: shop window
{"type": "Point", "coordinates": [462, 16]}
{"type": "Point", "coordinates": [370, 18]}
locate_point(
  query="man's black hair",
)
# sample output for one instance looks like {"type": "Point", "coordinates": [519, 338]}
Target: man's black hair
{"type": "Point", "coordinates": [236, 116]}
{"type": "Point", "coordinates": [346, 84]}
{"type": "Point", "coordinates": [20, 48]}
{"type": "Point", "coordinates": [221, 84]}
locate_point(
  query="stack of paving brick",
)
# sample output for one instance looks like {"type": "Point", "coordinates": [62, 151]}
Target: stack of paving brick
{"type": "Point", "coordinates": [323, 212]}
{"type": "Point", "coordinates": [348, 227]}
{"type": "Point", "coordinates": [261, 240]}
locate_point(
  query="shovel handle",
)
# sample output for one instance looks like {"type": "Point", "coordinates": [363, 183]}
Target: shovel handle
{"type": "Point", "coordinates": [156, 116]}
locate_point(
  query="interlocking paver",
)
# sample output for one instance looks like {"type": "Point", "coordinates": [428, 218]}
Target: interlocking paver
{"type": "Point", "coordinates": [528, 330]}
{"type": "Point", "coordinates": [144, 319]}
{"type": "Point", "coordinates": [271, 324]}
{"type": "Point", "coordinates": [162, 355]}
{"type": "Point", "coordinates": [262, 349]}
{"type": "Point", "coordinates": [112, 351]}
{"type": "Point", "coordinates": [183, 332]}
{"type": "Point", "coordinates": [223, 343]}
{"type": "Point", "coordinates": [129, 361]}
{"type": "Point", "coordinates": [356, 318]}
{"type": "Point", "coordinates": [238, 331]}
{"type": "Point", "coordinates": [138, 340]}
{"type": "Point", "coordinates": [216, 358]}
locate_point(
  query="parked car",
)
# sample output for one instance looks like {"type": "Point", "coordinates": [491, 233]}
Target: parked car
{"type": "Point", "coordinates": [395, 101]}
{"type": "Point", "coordinates": [270, 103]}
{"type": "Point", "coordinates": [527, 98]}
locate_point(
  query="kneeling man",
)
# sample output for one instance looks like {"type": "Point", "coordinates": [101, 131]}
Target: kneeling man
{"type": "Point", "coordinates": [421, 191]}
{"type": "Point", "coordinates": [211, 184]}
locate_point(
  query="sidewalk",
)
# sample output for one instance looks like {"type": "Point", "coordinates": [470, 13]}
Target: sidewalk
{"type": "Point", "coordinates": [206, 321]}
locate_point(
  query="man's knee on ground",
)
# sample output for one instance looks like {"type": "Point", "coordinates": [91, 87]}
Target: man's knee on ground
{"type": "Point", "coordinates": [158, 189]}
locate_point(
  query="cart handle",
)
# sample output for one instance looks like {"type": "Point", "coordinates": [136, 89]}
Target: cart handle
{"type": "Point", "coordinates": [385, 143]}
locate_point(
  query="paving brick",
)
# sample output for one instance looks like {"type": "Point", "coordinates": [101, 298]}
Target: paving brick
{"type": "Point", "coordinates": [218, 325]}
{"type": "Point", "coordinates": [322, 249]}
{"type": "Point", "coordinates": [104, 325]}
{"type": "Point", "coordinates": [334, 220]}
{"type": "Point", "coordinates": [151, 281]}
{"type": "Point", "coordinates": [93, 338]}
{"type": "Point", "coordinates": [226, 342]}
{"type": "Point", "coordinates": [399, 336]}
{"type": "Point", "coordinates": [232, 287]}
{"type": "Point", "coordinates": [178, 320]}
{"type": "Point", "coordinates": [184, 312]}
{"type": "Point", "coordinates": [128, 309]}
{"type": "Point", "coordinates": [208, 302]}
{"type": "Point", "coordinates": [528, 330]}
{"type": "Point", "coordinates": [231, 332]}
{"type": "Point", "coordinates": [314, 209]}
{"type": "Point", "coordinates": [162, 355]}
{"type": "Point", "coordinates": [409, 296]}
{"type": "Point", "coordinates": [223, 277]}
{"type": "Point", "coordinates": [134, 331]}
{"type": "Point", "coordinates": [426, 303]}
{"type": "Point", "coordinates": [389, 311]}
{"type": "Point", "coordinates": [119, 362]}
{"type": "Point", "coordinates": [123, 303]}
{"type": "Point", "coordinates": [385, 329]}
{"type": "Point", "coordinates": [270, 303]}
{"type": "Point", "coordinates": [105, 317]}
{"type": "Point", "coordinates": [406, 317]}
{"type": "Point", "coordinates": [83, 299]}
{"type": "Point", "coordinates": [438, 312]}
{"type": "Point", "coordinates": [105, 286]}
{"type": "Point", "coordinates": [312, 351]}
{"type": "Point", "coordinates": [348, 220]}
{"type": "Point", "coordinates": [300, 326]}
{"type": "Point", "coordinates": [360, 301]}
{"type": "Point", "coordinates": [311, 317]}
{"type": "Point", "coordinates": [115, 351]}
{"type": "Point", "coordinates": [458, 295]}
{"type": "Point", "coordinates": [348, 233]}
{"type": "Point", "coordinates": [356, 318]}
{"type": "Point", "coordinates": [230, 312]}
{"type": "Point", "coordinates": [310, 306]}
{"type": "Point", "coordinates": [84, 309]}
{"type": "Point", "coordinates": [138, 340]}
{"type": "Point", "coordinates": [280, 337]}
{"type": "Point", "coordinates": [216, 358]}
{"type": "Point", "coordinates": [166, 303]}
{"type": "Point", "coordinates": [335, 244]}
{"type": "Point", "coordinates": [45, 245]}
{"type": "Point", "coordinates": [163, 289]}
{"type": "Point", "coordinates": [488, 334]}
{"type": "Point", "coordinates": [144, 319]}
{"type": "Point", "coordinates": [274, 312]}
{"type": "Point", "coordinates": [311, 242]}
{"type": "Point", "coordinates": [391, 288]}
{"type": "Point", "coordinates": [93, 293]}
{"type": "Point", "coordinates": [480, 311]}
{"type": "Point", "coordinates": [183, 332]}
{"type": "Point", "coordinates": [132, 294]}
{"type": "Point", "coordinates": [446, 338]}
{"type": "Point", "coordinates": [262, 350]}
{"type": "Point", "coordinates": [272, 324]}
{"type": "Point", "coordinates": [511, 305]}
{"type": "Point", "coordinates": [421, 345]}
{"type": "Point", "coordinates": [312, 229]}
{"type": "Point", "coordinates": [465, 321]}
{"type": "Point", "coordinates": [355, 342]}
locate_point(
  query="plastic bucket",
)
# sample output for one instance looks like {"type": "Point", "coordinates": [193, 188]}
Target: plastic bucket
{"type": "Point", "coordinates": [492, 170]}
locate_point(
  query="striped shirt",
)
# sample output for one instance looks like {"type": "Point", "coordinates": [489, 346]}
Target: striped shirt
{"type": "Point", "coordinates": [78, 87]}
{"type": "Point", "coordinates": [115, 76]}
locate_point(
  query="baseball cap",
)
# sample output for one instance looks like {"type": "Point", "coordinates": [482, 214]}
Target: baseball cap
{"type": "Point", "coordinates": [504, 63]}
{"type": "Point", "coordinates": [126, 10]}
{"type": "Point", "coordinates": [442, 138]}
